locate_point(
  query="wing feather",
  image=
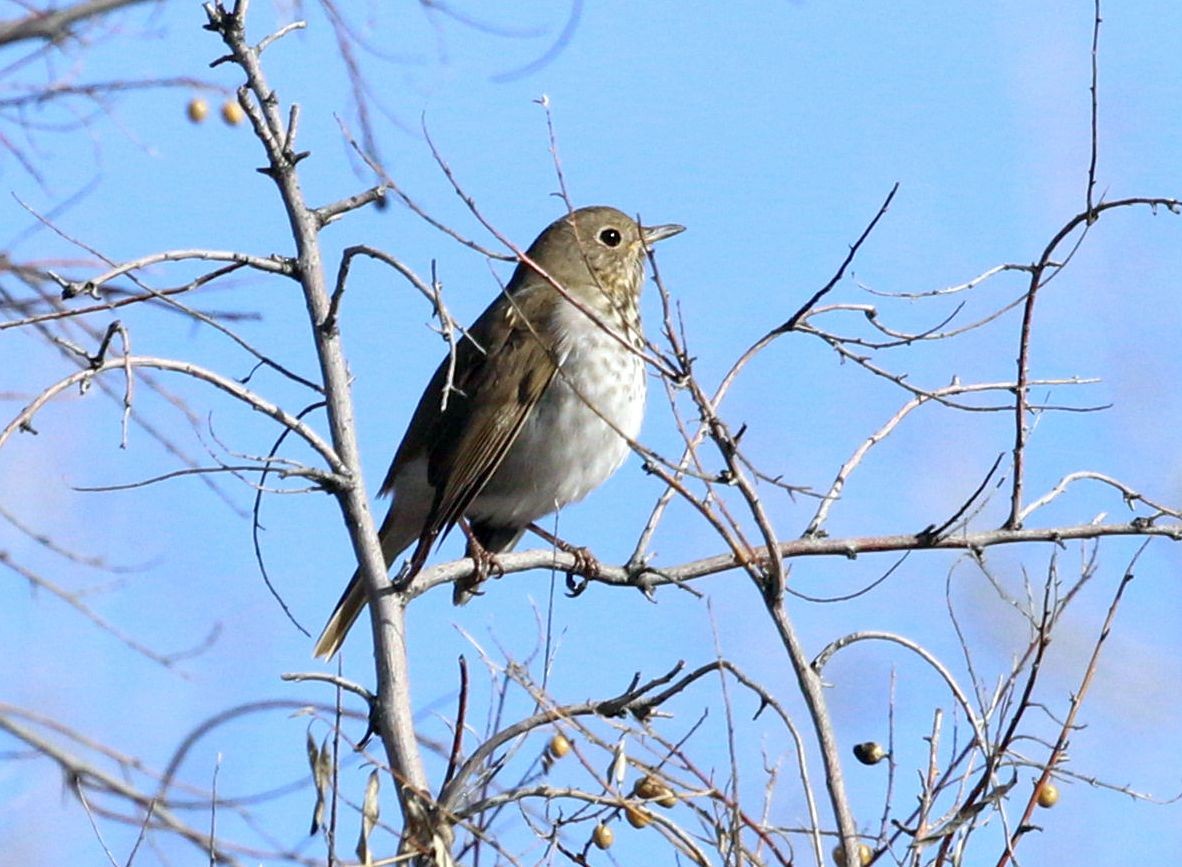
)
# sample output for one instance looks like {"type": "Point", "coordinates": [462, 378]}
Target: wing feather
{"type": "Point", "coordinates": [502, 369]}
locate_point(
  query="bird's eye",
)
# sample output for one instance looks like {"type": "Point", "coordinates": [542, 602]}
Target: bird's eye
{"type": "Point", "coordinates": [610, 237]}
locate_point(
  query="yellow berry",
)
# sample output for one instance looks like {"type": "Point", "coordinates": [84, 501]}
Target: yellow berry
{"type": "Point", "coordinates": [559, 746]}
{"type": "Point", "coordinates": [1048, 795]}
{"type": "Point", "coordinates": [232, 112]}
{"type": "Point", "coordinates": [647, 787]}
{"type": "Point", "coordinates": [602, 836]}
{"type": "Point", "coordinates": [869, 753]}
{"type": "Point", "coordinates": [197, 109]}
{"type": "Point", "coordinates": [652, 788]}
{"type": "Point", "coordinates": [865, 854]}
{"type": "Point", "coordinates": [637, 817]}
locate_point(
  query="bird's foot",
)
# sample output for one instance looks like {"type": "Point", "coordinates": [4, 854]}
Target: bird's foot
{"type": "Point", "coordinates": [484, 564]}
{"type": "Point", "coordinates": [587, 565]}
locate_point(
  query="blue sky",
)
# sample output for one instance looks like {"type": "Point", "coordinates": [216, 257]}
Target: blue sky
{"type": "Point", "coordinates": [773, 131]}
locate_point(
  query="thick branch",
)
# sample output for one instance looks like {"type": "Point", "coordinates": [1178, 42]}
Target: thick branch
{"type": "Point", "coordinates": [262, 108]}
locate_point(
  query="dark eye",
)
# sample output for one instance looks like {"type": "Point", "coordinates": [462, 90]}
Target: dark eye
{"type": "Point", "coordinates": [610, 237]}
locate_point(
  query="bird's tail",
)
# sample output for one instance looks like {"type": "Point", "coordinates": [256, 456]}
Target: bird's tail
{"type": "Point", "coordinates": [350, 606]}
{"type": "Point", "coordinates": [394, 538]}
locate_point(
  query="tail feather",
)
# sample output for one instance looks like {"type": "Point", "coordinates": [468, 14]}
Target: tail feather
{"type": "Point", "coordinates": [400, 527]}
{"type": "Point", "coordinates": [403, 523]}
{"type": "Point", "coordinates": [349, 608]}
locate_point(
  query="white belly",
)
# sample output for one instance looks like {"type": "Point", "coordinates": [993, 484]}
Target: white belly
{"type": "Point", "coordinates": [566, 448]}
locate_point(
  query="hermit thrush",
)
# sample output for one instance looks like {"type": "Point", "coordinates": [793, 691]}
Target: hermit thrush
{"type": "Point", "coordinates": [534, 410]}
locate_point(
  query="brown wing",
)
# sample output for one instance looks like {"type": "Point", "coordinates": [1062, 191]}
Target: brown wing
{"type": "Point", "coordinates": [501, 371]}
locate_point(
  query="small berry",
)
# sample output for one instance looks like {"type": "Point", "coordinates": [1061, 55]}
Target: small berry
{"type": "Point", "coordinates": [602, 836]}
{"type": "Point", "coordinates": [652, 788]}
{"type": "Point", "coordinates": [232, 112]}
{"type": "Point", "coordinates": [197, 109]}
{"type": "Point", "coordinates": [637, 817]}
{"type": "Point", "coordinates": [869, 753]}
{"type": "Point", "coordinates": [865, 854]}
{"type": "Point", "coordinates": [559, 746]}
{"type": "Point", "coordinates": [1048, 795]}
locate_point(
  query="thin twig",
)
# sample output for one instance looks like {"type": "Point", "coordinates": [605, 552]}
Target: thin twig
{"type": "Point", "coordinates": [457, 744]}
{"type": "Point", "coordinates": [1060, 748]}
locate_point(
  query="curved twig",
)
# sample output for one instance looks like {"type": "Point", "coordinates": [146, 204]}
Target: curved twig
{"type": "Point", "coordinates": [822, 658]}
{"type": "Point", "coordinates": [230, 386]}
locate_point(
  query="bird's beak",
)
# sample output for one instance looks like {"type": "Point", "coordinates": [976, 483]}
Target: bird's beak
{"type": "Point", "coordinates": [652, 234]}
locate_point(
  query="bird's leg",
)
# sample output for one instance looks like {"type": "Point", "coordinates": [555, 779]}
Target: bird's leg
{"type": "Point", "coordinates": [484, 563]}
{"type": "Point", "coordinates": [586, 563]}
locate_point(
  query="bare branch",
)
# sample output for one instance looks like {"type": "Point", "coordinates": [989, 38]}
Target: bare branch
{"type": "Point", "coordinates": [649, 577]}
{"type": "Point", "coordinates": [231, 387]}
{"type": "Point", "coordinates": [825, 655]}
{"type": "Point", "coordinates": [1021, 407]}
{"type": "Point", "coordinates": [56, 25]}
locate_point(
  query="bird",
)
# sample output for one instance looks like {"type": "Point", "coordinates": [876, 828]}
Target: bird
{"type": "Point", "coordinates": [535, 409]}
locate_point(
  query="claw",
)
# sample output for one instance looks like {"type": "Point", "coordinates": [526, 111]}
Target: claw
{"type": "Point", "coordinates": [586, 566]}
{"type": "Point", "coordinates": [484, 564]}
{"type": "Point", "coordinates": [586, 563]}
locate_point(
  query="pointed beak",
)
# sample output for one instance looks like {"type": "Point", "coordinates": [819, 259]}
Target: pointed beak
{"type": "Point", "coordinates": [652, 234]}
